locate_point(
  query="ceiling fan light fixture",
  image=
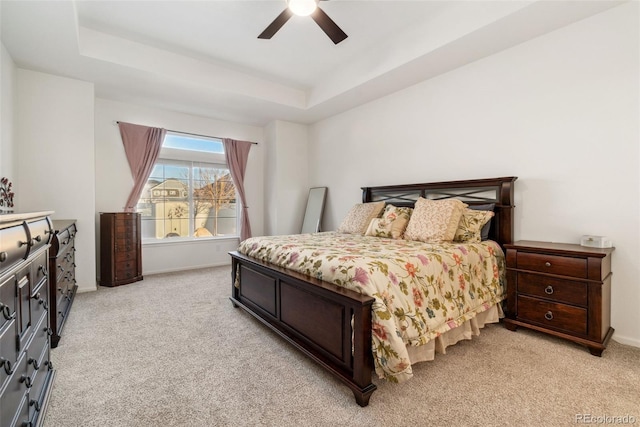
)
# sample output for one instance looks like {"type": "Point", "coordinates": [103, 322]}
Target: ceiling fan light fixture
{"type": "Point", "coordinates": [302, 7]}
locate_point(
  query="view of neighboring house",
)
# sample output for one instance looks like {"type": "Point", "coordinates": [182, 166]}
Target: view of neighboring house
{"type": "Point", "coordinates": [169, 209]}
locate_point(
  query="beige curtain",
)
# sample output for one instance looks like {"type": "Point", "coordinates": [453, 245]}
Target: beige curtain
{"type": "Point", "coordinates": [142, 146]}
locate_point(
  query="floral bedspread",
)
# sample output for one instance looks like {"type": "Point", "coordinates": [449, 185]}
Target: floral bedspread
{"type": "Point", "coordinates": [421, 290]}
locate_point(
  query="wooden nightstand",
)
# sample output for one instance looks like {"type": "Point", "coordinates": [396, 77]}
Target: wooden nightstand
{"type": "Point", "coordinates": [560, 289]}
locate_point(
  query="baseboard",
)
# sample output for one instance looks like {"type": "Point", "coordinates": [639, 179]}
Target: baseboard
{"type": "Point", "coordinates": [626, 340]}
{"type": "Point", "coordinates": [83, 289]}
{"type": "Point", "coordinates": [191, 267]}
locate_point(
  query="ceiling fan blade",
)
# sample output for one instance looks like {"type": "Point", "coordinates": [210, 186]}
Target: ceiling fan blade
{"type": "Point", "coordinates": [328, 26]}
{"type": "Point", "coordinates": [276, 24]}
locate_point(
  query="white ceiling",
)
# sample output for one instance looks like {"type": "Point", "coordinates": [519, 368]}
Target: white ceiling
{"type": "Point", "coordinates": [204, 57]}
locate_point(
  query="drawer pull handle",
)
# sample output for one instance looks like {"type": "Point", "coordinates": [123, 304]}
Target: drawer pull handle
{"type": "Point", "coordinates": [49, 331]}
{"type": "Point", "coordinates": [6, 312]}
{"type": "Point", "coordinates": [35, 404]}
{"type": "Point", "coordinates": [43, 269]}
{"type": "Point", "coordinates": [26, 380]}
{"type": "Point", "coordinates": [3, 256]}
{"type": "Point", "coordinates": [547, 264]}
{"type": "Point", "coordinates": [7, 365]}
{"type": "Point", "coordinates": [35, 364]}
{"type": "Point", "coordinates": [49, 364]}
{"type": "Point", "coordinates": [548, 290]}
{"type": "Point", "coordinates": [548, 315]}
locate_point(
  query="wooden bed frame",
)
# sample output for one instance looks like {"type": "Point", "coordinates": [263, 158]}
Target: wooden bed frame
{"type": "Point", "coordinates": [316, 316]}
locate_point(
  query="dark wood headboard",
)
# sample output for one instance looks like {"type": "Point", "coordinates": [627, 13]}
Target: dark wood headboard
{"type": "Point", "coordinates": [473, 192]}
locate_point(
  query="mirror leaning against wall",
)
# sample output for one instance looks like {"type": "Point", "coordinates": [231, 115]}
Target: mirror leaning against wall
{"type": "Point", "coordinates": [315, 208]}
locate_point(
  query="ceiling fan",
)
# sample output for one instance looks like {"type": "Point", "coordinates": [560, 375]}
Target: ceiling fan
{"type": "Point", "coordinates": [305, 8]}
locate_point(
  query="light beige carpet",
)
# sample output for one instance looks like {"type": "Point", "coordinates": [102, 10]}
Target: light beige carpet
{"type": "Point", "coordinates": [172, 351]}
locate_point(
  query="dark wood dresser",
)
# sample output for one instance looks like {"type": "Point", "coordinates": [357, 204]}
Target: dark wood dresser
{"type": "Point", "coordinates": [62, 275]}
{"type": "Point", "coordinates": [26, 373]}
{"type": "Point", "coordinates": [560, 289]}
{"type": "Point", "coordinates": [120, 248]}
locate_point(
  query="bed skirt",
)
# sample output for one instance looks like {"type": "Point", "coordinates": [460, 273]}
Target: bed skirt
{"type": "Point", "coordinates": [465, 331]}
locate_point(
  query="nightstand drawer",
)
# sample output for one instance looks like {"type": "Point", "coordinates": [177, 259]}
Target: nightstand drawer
{"type": "Point", "coordinates": [553, 315]}
{"type": "Point", "coordinates": [553, 264]}
{"type": "Point", "coordinates": [551, 288]}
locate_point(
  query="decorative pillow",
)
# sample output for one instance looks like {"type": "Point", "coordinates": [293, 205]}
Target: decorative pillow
{"type": "Point", "coordinates": [470, 225]}
{"type": "Point", "coordinates": [434, 220]}
{"type": "Point", "coordinates": [359, 217]}
{"type": "Point", "coordinates": [484, 233]}
{"type": "Point", "coordinates": [392, 224]}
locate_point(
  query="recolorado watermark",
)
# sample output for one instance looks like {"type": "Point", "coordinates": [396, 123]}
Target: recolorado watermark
{"type": "Point", "coordinates": [605, 419]}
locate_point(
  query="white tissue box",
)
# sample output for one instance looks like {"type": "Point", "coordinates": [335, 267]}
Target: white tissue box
{"type": "Point", "coordinates": [595, 241]}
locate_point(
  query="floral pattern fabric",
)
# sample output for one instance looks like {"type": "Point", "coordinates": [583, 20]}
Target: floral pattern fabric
{"type": "Point", "coordinates": [392, 224]}
{"type": "Point", "coordinates": [470, 225]}
{"type": "Point", "coordinates": [420, 290]}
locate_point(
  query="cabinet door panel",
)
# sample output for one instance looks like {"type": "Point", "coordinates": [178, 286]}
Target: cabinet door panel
{"type": "Point", "coordinates": [24, 308]}
{"type": "Point", "coordinates": [8, 351]}
{"type": "Point", "coordinates": [7, 300]}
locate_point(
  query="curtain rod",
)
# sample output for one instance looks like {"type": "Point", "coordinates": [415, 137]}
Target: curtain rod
{"type": "Point", "coordinates": [192, 134]}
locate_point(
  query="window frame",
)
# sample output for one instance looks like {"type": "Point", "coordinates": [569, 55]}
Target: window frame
{"type": "Point", "coordinates": [185, 157]}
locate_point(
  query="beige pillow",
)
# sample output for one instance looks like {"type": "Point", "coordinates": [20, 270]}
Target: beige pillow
{"type": "Point", "coordinates": [359, 217]}
{"type": "Point", "coordinates": [434, 220]}
{"type": "Point", "coordinates": [392, 224]}
{"type": "Point", "coordinates": [471, 224]}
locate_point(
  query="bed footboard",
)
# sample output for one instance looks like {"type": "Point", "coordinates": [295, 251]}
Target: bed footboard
{"type": "Point", "coordinates": [314, 316]}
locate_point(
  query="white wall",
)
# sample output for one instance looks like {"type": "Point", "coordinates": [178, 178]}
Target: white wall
{"type": "Point", "coordinates": [560, 112]}
{"type": "Point", "coordinates": [55, 157]}
{"type": "Point", "coordinates": [286, 177]}
{"type": "Point", "coordinates": [7, 83]}
{"type": "Point", "coordinates": [114, 181]}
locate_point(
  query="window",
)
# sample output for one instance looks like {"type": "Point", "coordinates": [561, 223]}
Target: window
{"type": "Point", "coordinates": [190, 193]}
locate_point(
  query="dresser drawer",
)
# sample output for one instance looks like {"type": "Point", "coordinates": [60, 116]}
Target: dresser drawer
{"type": "Point", "coordinates": [553, 315]}
{"type": "Point", "coordinates": [64, 237]}
{"type": "Point", "coordinates": [13, 246]}
{"type": "Point", "coordinates": [558, 290]}
{"type": "Point", "coordinates": [15, 393]}
{"type": "Point", "coordinates": [122, 256]}
{"type": "Point", "coordinates": [37, 346]}
{"type": "Point", "coordinates": [126, 270]}
{"type": "Point", "coordinates": [62, 309]}
{"type": "Point", "coordinates": [553, 264]}
{"type": "Point", "coordinates": [8, 351]}
{"type": "Point", "coordinates": [125, 229]}
{"type": "Point", "coordinates": [38, 379]}
{"type": "Point", "coordinates": [61, 297]}
{"type": "Point", "coordinates": [40, 234]}
{"type": "Point", "coordinates": [39, 265]}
